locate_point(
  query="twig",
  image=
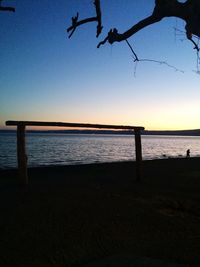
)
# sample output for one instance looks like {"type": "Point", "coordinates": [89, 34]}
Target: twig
{"type": "Point", "coordinates": [196, 47]}
{"type": "Point", "coordinates": [98, 12]}
{"type": "Point", "coordinates": [6, 8]}
{"type": "Point", "coordinates": [102, 42]}
{"type": "Point", "coordinates": [136, 59]}
{"type": "Point", "coordinates": [76, 23]}
{"type": "Point", "coordinates": [161, 63]}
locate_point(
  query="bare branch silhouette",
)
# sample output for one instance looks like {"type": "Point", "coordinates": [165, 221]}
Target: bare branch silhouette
{"type": "Point", "coordinates": [137, 59]}
{"type": "Point", "coordinates": [135, 55]}
{"type": "Point", "coordinates": [188, 11]}
{"type": "Point", "coordinates": [97, 18]}
{"type": "Point", "coordinates": [6, 8]}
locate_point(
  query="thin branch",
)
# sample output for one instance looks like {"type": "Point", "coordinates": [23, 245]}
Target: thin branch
{"type": "Point", "coordinates": [6, 8]}
{"type": "Point", "coordinates": [3, 8]}
{"type": "Point", "coordinates": [102, 42]}
{"type": "Point", "coordinates": [137, 59]}
{"type": "Point", "coordinates": [198, 59]}
{"type": "Point", "coordinates": [196, 47]}
{"type": "Point", "coordinates": [76, 23]}
{"type": "Point", "coordinates": [98, 12]}
{"type": "Point", "coordinates": [161, 63]}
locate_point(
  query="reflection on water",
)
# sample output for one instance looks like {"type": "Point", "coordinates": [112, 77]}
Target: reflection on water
{"type": "Point", "coordinates": [61, 149]}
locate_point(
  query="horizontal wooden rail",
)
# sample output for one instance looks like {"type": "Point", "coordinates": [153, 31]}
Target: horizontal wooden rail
{"type": "Point", "coordinates": [21, 142]}
{"type": "Point", "coordinates": [68, 124]}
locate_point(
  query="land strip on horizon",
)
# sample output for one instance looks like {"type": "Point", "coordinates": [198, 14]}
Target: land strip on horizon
{"type": "Point", "coordinates": [195, 132]}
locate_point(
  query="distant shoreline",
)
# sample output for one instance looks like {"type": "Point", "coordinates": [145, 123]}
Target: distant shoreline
{"type": "Point", "coordinates": [195, 132]}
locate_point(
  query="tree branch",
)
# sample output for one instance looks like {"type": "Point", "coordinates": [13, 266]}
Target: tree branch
{"type": "Point", "coordinates": [76, 23]}
{"type": "Point", "coordinates": [98, 12]}
{"type": "Point", "coordinates": [114, 36]}
{"type": "Point", "coordinates": [189, 11]}
{"type": "Point", "coordinates": [137, 59]}
{"type": "Point", "coordinates": [162, 9]}
{"type": "Point", "coordinates": [3, 8]}
{"type": "Point", "coordinates": [6, 8]}
{"type": "Point", "coordinates": [135, 55]}
{"type": "Point", "coordinates": [196, 47]}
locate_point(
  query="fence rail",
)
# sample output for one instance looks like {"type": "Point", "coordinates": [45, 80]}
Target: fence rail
{"type": "Point", "coordinates": [21, 141]}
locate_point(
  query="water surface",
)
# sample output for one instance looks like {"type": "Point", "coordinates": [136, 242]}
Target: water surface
{"type": "Point", "coordinates": [45, 149]}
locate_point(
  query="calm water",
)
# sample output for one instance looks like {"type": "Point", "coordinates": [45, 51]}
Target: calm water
{"type": "Point", "coordinates": [60, 149]}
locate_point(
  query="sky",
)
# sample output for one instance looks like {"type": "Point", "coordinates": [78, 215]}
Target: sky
{"type": "Point", "coordinates": [45, 76]}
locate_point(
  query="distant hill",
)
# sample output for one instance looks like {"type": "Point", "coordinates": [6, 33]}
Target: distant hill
{"type": "Point", "coordinates": [145, 132]}
{"type": "Point", "coordinates": [179, 132]}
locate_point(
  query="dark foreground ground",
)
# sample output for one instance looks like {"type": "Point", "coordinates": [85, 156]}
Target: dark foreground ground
{"type": "Point", "coordinates": [76, 215]}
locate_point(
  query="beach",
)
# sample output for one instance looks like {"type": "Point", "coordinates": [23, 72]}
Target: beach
{"type": "Point", "coordinates": [76, 215]}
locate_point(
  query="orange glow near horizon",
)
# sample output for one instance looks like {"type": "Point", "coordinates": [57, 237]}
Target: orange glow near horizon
{"type": "Point", "coordinates": [158, 125]}
{"type": "Point", "coordinates": [156, 117]}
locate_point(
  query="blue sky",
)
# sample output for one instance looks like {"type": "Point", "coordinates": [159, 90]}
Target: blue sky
{"type": "Point", "coordinates": [46, 76]}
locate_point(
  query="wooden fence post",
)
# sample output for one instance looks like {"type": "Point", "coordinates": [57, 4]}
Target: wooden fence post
{"type": "Point", "coordinates": [138, 151]}
{"type": "Point", "coordinates": [21, 154]}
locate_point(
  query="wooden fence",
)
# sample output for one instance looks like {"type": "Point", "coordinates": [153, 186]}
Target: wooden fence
{"type": "Point", "coordinates": [21, 141]}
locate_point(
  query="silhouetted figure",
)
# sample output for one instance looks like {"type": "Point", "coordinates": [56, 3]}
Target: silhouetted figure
{"type": "Point", "coordinates": [188, 153]}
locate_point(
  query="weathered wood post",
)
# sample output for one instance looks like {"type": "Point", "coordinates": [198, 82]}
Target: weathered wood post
{"type": "Point", "coordinates": [138, 152]}
{"type": "Point", "coordinates": [21, 146]}
{"type": "Point", "coordinates": [21, 154]}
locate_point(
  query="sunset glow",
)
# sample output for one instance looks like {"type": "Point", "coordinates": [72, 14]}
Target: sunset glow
{"type": "Point", "coordinates": [47, 77]}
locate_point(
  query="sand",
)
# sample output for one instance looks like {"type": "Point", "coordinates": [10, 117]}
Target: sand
{"type": "Point", "coordinates": [77, 215]}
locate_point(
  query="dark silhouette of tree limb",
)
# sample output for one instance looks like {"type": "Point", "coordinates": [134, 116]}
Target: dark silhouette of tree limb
{"type": "Point", "coordinates": [97, 18]}
{"type": "Point", "coordinates": [188, 11]}
{"type": "Point", "coordinates": [6, 8]}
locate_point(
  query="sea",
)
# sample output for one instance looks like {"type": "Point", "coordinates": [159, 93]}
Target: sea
{"type": "Point", "coordinates": [44, 149]}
